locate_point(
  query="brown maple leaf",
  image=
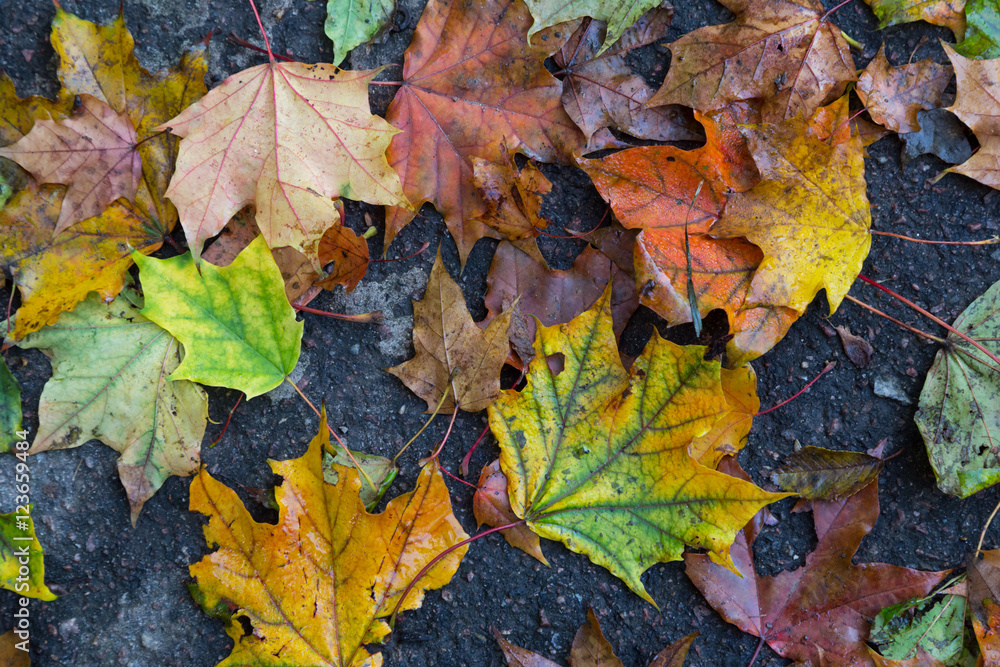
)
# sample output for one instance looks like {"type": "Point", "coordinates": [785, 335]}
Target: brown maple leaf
{"type": "Point", "coordinates": [551, 295]}
{"type": "Point", "coordinates": [977, 104]}
{"type": "Point", "coordinates": [472, 86]}
{"type": "Point", "coordinates": [602, 91]}
{"type": "Point", "coordinates": [786, 51]}
{"type": "Point", "coordinates": [894, 95]}
{"type": "Point", "coordinates": [818, 614]}
{"type": "Point", "coordinates": [93, 152]}
{"type": "Point", "coordinates": [513, 197]}
{"type": "Point", "coordinates": [457, 364]}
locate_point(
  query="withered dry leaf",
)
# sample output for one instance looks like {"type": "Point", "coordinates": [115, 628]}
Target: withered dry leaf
{"type": "Point", "coordinates": [472, 85]}
{"type": "Point", "coordinates": [858, 350]}
{"type": "Point", "coordinates": [894, 95]}
{"type": "Point", "coordinates": [603, 92]}
{"type": "Point", "coordinates": [455, 360]}
{"type": "Point", "coordinates": [818, 613]}
{"type": "Point", "coordinates": [785, 51]}
{"type": "Point", "coordinates": [93, 152]}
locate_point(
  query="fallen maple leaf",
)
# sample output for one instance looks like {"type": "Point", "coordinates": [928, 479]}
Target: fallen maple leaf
{"type": "Point", "coordinates": [894, 95]}
{"type": "Point", "coordinates": [786, 51]}
{"type": "Point", "coordinates": [353, 22]}
{"type": "Point", "coordinates": [603, 92]}
{"type": "Point", "coordinates": [957, 414]}
{"type": "Point", "coordinates": [237, 327]}
{"type": "Point", "coordinates": [596, 457]}
{"type": "Point", "coordinates": [810, 215]}
{"type": "Point", "coordinates": [109, 382]}
{"type": "Point", "coordinates": [17, 116]}
{"type": "Point", "coordinates": [617, 14]}
{"type": "Point", "coordinates": [98, 60]}
{"type": "Point", "coordinates": [93, 152]}
{"type": "Point", "coordinates": [553, 296]}
{"type": "Point", "coordinates": [317, 586]}
{"type": "Point", "coordinates": [977, 104]}
{"type": "Point", "coordinates": [491, 505]}
{"type": "Point", "coordinates": [817, 614]}
{"type": "Point", "coordinates": [513, 197]}
{"type": "Point", "coordinates": [56, 272]}
{"type": "Point", "coordinates": [305, 134]}
{"type": "Point", "coordinates": [947, 13]}
{"type": "Point", "coordinates": [472, 86]}
{"type": "Point", "coordinates": [984, 602]}
{"type": "Point", "coordinates": [10, 654]}
{"type": "Point", "coordinates": [455, 360]}
{"type": "Point", "coordinates": [591, 649]}
{"type": "Point", "coordinates": [10, 408]}
{"type": "Point", "coordinates": [729, 435]}
{"type": "Point", "coordinates": [941, 134]}
{"type": "Point", "coordinates": [18, 541]}
{"type": "Point", "coordinates": [816, 473]}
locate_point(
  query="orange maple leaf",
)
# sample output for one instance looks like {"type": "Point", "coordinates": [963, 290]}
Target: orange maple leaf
{"type": "Point", "coordinates": [472, 86]}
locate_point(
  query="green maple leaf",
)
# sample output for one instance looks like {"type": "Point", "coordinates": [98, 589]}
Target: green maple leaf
{"type": "Point", "coordinates": [353, 22]}
{"type": "Point", "coordinates": [618, 14]}
{"type": "Point", "coordinates": [10, 408]}
{"type": "Point", "coordinates": [109, 383]}
{"type": "Point", "coordinates": [237, 327]}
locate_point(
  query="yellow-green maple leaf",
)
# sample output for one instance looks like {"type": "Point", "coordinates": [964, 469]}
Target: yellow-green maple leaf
{"type": "Point", "coordinates": [597, 456]}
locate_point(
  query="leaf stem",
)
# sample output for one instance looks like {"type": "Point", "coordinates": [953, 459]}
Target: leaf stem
{"type": "Point", "coordinates": [692, 294]}
{"type": "Point", "coordinates": [436, 559]}
{"type": "Point", "coordinates": [267, 43]}
{"type": "Point", "coordinates": [361, 318]}
{"type": "Point", "coordinates": [446, 434]}
{"type": "Point", "coordinates": [228, 419]}
{"type": "Point", "coordinates": [753, 658]}
{"type": "Point", "coordinates": [426, 424]}
{"type": "Point", "coordinates": [464, 467]}
{"type": "Point", "coordinates": [386, 83]}
{"type": "Point", "coordinates": [982, 535]}
{"type": "Point", "coordinates": [152, 136]}
{"type": "Point", "coordinates": [350, 454]}
{"type": "Point", "coordinates": [239, 41]}
{"type": "Point", "coordinates": [829, 367]}
{"type": "Point", "coordinates": [933, 318]}
{"type": "Point", "coordinates": [906, 326]}
{"type": "Point", "coordinates": [992, 241]}
{"type": "Point", "coordinates": [855, 44]}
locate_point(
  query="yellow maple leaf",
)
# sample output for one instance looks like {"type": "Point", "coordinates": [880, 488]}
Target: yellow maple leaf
{"type": "Point", "coordinates": [810, 215]}
{"type": "Point", "coordinates": [318, 585]}
{"type": "Point", "coordinates": [286, 137]}
{"type": "Point", "coordinates": [56, 272]}
{"type": "Point", "coordinates": [729, 434]}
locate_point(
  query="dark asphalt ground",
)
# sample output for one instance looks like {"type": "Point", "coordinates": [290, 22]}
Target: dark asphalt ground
{"type": "Point", "coordinates": [123, 596]}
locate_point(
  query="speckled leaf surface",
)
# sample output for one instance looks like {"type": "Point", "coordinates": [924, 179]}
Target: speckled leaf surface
{"type": "Point", "coordinates": [816, 473]}
{"type": "Point", "coordinates": [109, 382]}
{"type": "Point", "coordinates": [959, 409]}
{"type": "Point", "coordinates": [596, 456]}
{"type": "Point", "coordinates": [320, 584]}
{"type": "Point", "coordinates": [617, 14]}
{"type": "Point", "coordinates": [947, 13]}
{"type": "Point", "coordinates": [10, 408]}
{"type": "Point", "coordinates": [237, 327]}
